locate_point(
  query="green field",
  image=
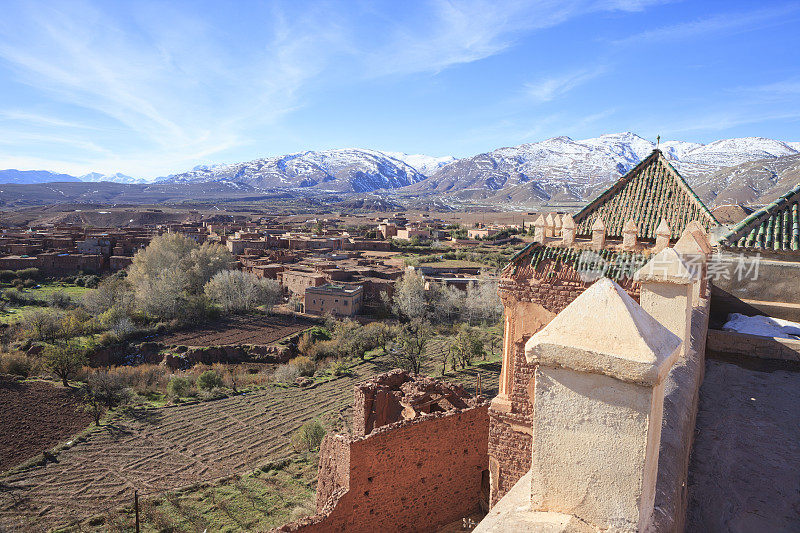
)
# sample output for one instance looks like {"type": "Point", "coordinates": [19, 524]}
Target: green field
{"type": "Point", "coordinates": [16, 312]}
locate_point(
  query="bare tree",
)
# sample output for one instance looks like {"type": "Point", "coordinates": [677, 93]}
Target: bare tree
{"type": "Point", "coordinates": [409, 295]}
{"type": "Point", "coordinates": [412, 342]}
{"type": "Point", "coordinates": [113, 292]}
{"type": "Point", "coordinates": [171, 267]}
{"type": "Point", "coordinates": [237, 291]}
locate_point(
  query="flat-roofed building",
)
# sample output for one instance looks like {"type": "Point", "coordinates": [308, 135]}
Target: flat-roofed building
{"type": "Point", "coordinates": [297, 281]}
{"type": "Point", "coordinates": [336, 299]}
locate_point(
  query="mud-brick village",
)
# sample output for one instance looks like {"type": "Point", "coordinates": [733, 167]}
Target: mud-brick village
{"type": "Point", "coordinates": [441, 266]}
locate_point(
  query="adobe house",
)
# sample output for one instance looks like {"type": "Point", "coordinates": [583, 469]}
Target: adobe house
{"type": "Point", "coordinates": [613, 236]}
{"type": "Point", "coordinates": [336, 299]}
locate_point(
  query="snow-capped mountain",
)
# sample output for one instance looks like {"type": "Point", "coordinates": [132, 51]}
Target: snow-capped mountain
{"type": "Point", "coordinates": [557, 169]}
{"type": "Point", "coordinates": [345, 170]}
{"type": "Point", "coordinates": [117, 177]}
{"type": "Point", "coordinates": [427, 165]}
{"type": "Point", "coordinates": [33, 176]}
{"type": "Point", "coordinates": [565, 169]}
{"type": "Point", "coordinates": [751, 182]}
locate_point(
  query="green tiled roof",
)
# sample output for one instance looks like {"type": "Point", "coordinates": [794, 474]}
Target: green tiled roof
{"type": "Point", "coordinates": [617, 264]}
{"type": "Point", "coordinates": [775, 227]}
{"type": "Point", "coordinates": [653, 190]}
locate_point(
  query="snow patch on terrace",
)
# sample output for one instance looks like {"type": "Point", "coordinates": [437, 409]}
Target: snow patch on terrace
{"type": "Point", "coordinates": [762, 326]}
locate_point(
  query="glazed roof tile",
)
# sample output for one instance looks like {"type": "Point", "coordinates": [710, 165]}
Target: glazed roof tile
{"type": "Point", "coordinates": [774, 227]}
{"type": "Point", "coordinates": [651, 192]}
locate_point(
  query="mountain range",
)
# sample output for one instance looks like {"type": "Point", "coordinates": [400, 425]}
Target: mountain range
{"type": "Point", "coordinates": [555, 170]}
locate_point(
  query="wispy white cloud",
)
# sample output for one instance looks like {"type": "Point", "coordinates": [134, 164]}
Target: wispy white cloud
{"type": "Point", "coordinates": [465, 31]}
{"type": "Point", "coordinates": [777, 89]}
{"type": "Point", "coordinates": [172, 88]}
{"type": "Point", "coordinates": [549, 88]}
{"type": "Point", "coordinates": [158, 87]}
{"type": "Point", "coordinates": [40, 120]}
{"type": "Point", "coordinates": [723, 23]}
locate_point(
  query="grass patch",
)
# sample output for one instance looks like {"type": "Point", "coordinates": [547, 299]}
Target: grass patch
{"type": "Point", "coordinates": [16, 313]}
{"type": "Point", "coordinates": [267, 497]}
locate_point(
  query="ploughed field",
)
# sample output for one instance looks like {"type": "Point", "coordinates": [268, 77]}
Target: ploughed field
{"type": "Point", "coordinates": [238, 330]}
{"type": "Point", "coordinates": [160, 449]}
{"type": "Point", "coordinates": [34, 417]}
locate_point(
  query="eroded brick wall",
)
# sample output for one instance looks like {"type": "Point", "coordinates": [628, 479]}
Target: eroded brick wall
{"type": "Point", "coordinates": [416, 475]}
{"type": "Point", "coordinates": [334, 469]}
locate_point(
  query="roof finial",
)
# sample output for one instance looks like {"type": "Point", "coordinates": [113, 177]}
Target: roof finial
{"type": "Point", "coordinates": [658, 141]}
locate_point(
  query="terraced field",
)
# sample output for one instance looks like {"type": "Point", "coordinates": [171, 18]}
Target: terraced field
{"type": "Point", "coordinates": [250, 329]}
{"type": "Point", "coordinates": [161, 449]}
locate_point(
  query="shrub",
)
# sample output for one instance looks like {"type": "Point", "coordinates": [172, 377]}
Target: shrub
{"type": "Point", "coordinates": [338, 368]}
{"type": "Point", "coordinates": [59, 299]}
{"type": "Point", "coordinates": [144, 378]}
{"type": "Point", "coordinates": [7, 275]}
{"type": "Point", "coordinates": [304, 365]}
{"type": "Point", "coordinates": [15, 296]}
{"type": "Point", "coordinates": [324, 350]}
{"type": "Point", "coordinates": [305, 344]}
{"type": "Point", "coordinates": [286, 374]}
{"type": "Point", "coordinates": [179, 387]}
{"type": "Point", "coordinates": [309, 436]}
{"type": "Point", "coordinates": [318, 333]}
{"type": "Point", "coordinates": [91, 281]}
{"type": "Point", "coordinates": [28, 273]}
{"type": "Point", "coordinates": [16, 364]}
{"type": "Point", "coordinates": [209, 380]}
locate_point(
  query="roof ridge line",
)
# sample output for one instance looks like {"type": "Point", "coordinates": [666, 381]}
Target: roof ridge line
{"type": "Point", "coordinates": [758, 217]}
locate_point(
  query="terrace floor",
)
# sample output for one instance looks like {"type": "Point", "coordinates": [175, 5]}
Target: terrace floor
{"type": "Point", "coordinates": [744, 473]}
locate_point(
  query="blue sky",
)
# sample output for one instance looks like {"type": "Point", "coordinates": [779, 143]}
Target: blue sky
{"type": "Point", "coordinates": [150, 88]}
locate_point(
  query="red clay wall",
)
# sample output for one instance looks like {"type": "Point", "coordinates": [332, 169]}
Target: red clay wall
{"type": "Point", "coordinates": [416, 475]}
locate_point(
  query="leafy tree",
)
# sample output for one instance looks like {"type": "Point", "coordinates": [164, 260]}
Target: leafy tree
{"type": "Point", "coordinates": [466, 346]}
{"type": "Point", "coordinates": [65, 360]}
{"type": "Point", "coordinates": [378, 334]}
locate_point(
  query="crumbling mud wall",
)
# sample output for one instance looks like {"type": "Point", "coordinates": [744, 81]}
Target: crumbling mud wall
{"type": "Point", "coordinates": [415, 474]}
{"type": "Point", "coordinates": [398, 395]}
